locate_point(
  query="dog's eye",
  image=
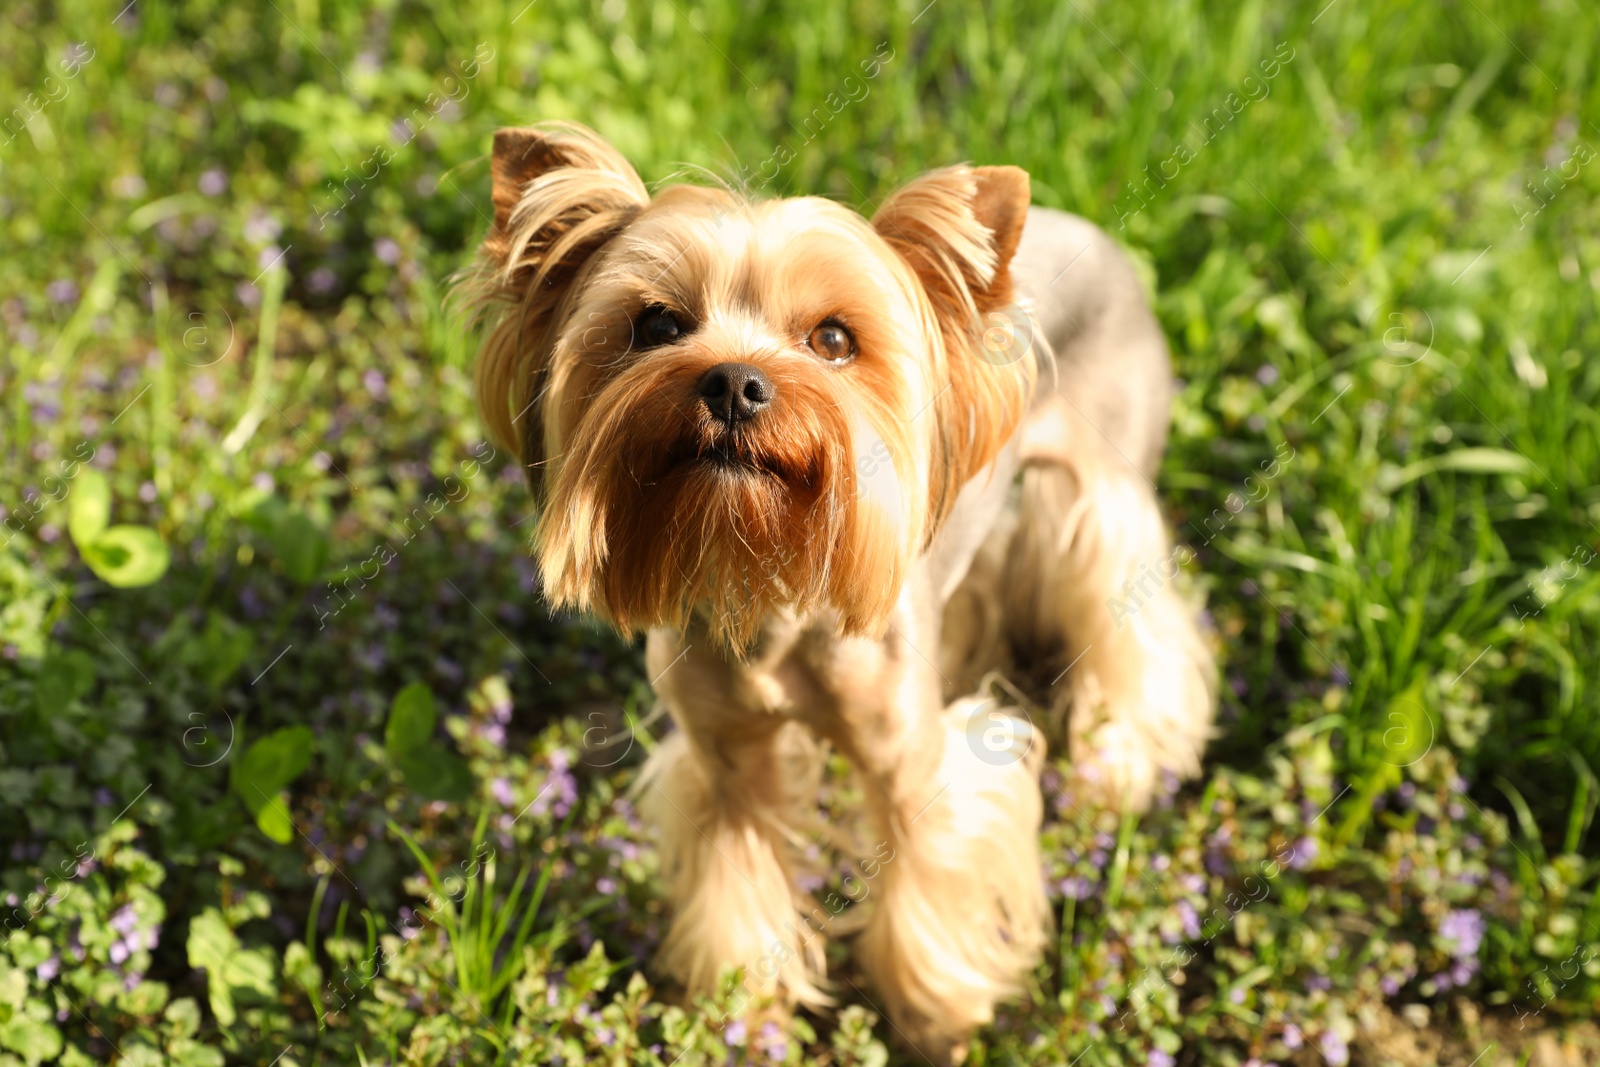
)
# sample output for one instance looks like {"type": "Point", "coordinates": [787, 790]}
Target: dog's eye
{"type": "Point", "coordinates": [832, 341]}
{"type": "Point", "coordinates": [657, 326]}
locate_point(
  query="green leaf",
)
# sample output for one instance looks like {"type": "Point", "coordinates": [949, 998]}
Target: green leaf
{"type": "Point", "coordinates": [127, 556]}
{"type": "Point", "coordinates": [301, 547]}
{"type": "Point", "coordinates": [63, 677]}
{"type": "Point", "coordinates": [301, 967]}
{"type": "Point", "coordinates": [412, 717]}
{"type": "Point", "coordinates": [262, 773]}
{"type": "Point", "coordinates": [186, 1052]}
{"type": "Point", "coordinates": [211, 945]}
{"type": "Point", "coordinates": [272, 818]}
{"type": "Point", "coordinates": [266, 515]}
{"type": "Point", "coordinates": [255, 971]}
{"type": "Point", "coordinates": [298, 543]}
{"type": "Point", "coordinates": [144, 999]}
{"type": "Point", "coordinates": [220, 650]}
{"type": "Point", "coordinates": [214, 947]}
{"type": "Point", "coordinates": [36, 1040]}
{"type": "Point", "coordinates": [90, 510]}
{"type": "Point", "coordinates": [1410, 731]}
{"type": "Point", "coordinates": [436, 775]}
{"type": "Point", "coordinates": [431, 770]}
{"type": "Point", "coordinates": [73, 1056]}
{"type": "Point", "coordinates": [183, 1017]}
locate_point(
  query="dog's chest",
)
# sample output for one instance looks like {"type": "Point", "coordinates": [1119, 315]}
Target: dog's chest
{"type": "Point", "coordinates": [845, 689]}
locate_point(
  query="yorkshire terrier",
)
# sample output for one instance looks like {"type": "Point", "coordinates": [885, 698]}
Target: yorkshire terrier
{"type": "Point", "coordinates": [840, 469]}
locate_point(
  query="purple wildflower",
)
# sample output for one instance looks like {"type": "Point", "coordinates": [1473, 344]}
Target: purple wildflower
{"type": "Point", "coordinates": [1334, 1049]}
{"type": "Point", "coordinates": [1464, 929]}
{"type": "Point", "coordinates": [561, 788]}
{"type": "Point", "coordinates": [1076, 888]}
{"type": "Point", "coordinates": [261, 228]}
{"type": "Point", "coordinates": [772, 1042]}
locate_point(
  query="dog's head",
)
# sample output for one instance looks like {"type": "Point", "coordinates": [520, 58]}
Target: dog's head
{"type": "Point", "coordinates": [734, 407]}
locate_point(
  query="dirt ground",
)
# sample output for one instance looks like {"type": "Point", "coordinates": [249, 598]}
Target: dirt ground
{"type": "Point", "coordinates": [1475, 1038]}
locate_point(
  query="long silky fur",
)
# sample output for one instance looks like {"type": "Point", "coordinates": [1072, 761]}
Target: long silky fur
{"type": "Point", "coordinates": [539, 243]}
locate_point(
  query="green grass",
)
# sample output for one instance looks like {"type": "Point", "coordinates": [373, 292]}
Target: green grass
{"type": "Point", "coordinates": [224, 280]}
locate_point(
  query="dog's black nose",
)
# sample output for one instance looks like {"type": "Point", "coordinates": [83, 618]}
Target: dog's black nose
{"type": "Point", "coordinates": [734, 391]}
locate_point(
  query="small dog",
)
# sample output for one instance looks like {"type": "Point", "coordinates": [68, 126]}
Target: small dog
{"type": "Point", "coordinates": [840, 469]}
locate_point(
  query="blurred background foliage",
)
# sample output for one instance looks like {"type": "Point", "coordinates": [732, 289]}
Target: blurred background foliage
{"type": "Point", "coordinates": [273, 670]}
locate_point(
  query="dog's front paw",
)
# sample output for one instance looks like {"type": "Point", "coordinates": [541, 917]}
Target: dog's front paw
{"type": "Point", "coordinates": [1117, 767]}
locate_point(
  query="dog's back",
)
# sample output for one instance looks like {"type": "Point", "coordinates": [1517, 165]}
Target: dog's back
{"type": "Point", "coordinates": [1073, 589]}
{"type": "Point", "coordinates": [1112, 384]}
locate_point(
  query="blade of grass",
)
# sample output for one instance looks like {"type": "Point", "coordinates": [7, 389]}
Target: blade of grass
{"type": "Point", "coordinates": [255, 412]}
{"type": "Point", "coordinates": [311, 916]}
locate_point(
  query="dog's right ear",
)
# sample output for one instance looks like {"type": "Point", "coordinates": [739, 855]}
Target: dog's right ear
{"type": "Point", "coordinates": [560, 192]}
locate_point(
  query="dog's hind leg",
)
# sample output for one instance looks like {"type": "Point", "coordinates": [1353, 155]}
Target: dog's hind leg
{"type": "Point", "coordinates": [1090, 603]}
{"type": "Point", "coordinates": [1093, 609]}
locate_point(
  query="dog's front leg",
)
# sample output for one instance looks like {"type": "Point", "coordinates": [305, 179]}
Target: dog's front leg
{"type": "Point", "coordinates": [958, 912]}
{"type": "Point", "coordinates": [717, 792]}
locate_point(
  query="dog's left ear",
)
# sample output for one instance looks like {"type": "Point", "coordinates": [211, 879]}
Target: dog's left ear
{"type": "Point", "coordinates": [958, 228]}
